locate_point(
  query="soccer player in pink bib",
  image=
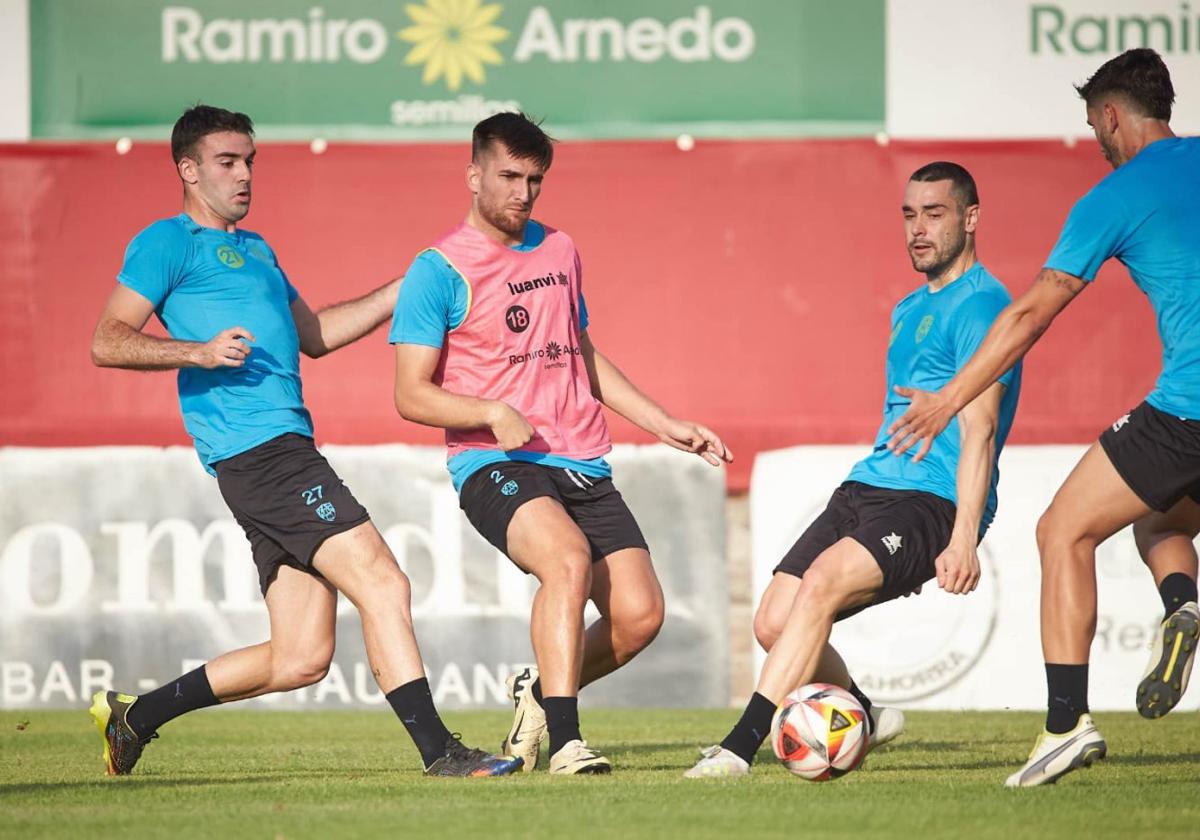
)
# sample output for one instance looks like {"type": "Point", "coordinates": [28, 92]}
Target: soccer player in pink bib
{"type": "Point", "coordinates": [491, 339]}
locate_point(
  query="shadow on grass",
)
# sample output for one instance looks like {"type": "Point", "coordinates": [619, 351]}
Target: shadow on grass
{"type": "Point", "coordinates": [143, 782]}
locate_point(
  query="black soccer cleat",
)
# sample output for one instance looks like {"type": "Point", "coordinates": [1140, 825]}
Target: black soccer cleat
{"type": "Point", "coordinates": [122, 747]}
{"type": "Point", "coordinates": [461, 760]}
{"type": "Point", "coordinates": [1171, 661]}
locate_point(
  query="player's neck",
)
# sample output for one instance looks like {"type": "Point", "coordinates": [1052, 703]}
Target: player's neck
{"type": "Point", "coordinates": [1148, 131]}
{"type": "Point", "coordinates": [203, 215]}
{"type": "Point", "coordinates": [953, 271]}
{"type": "Point", "coordinates": [489, 230]}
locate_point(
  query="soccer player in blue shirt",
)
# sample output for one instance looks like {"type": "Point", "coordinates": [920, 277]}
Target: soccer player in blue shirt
{"type": "Point", "coordinates": [1145, 468]}
{"type": "Point", "coordinates": [237, 327]}
{"type": "Point", "coordinates": [893, 524]}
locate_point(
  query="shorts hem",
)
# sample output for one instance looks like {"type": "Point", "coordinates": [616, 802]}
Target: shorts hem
{"type": "Point", "coordinates": [1153, 504]}
{"type": "Point", "coordinates": [340, 528]}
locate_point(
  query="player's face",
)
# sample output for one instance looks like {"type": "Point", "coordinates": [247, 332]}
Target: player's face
{"type": "Point", "coordinates": [505, 189]}
{"type": "Point", "coordinates": [935, 225]}
{"type": "Point", "coordinates": [221, 172]}
{"type": "Point", "coordinates": [1101, 123]}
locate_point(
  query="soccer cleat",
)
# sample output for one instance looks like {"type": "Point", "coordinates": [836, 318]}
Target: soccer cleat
{"type": "Point", "coordinates": [716, 762]}
{"type": "Point", "coordinates": [887, 725]}
{"type": "Point", "coordinates": [1166, 678]}
{"type": "Point", "coordinates": [574, 758]}
{"type": "Point", "coordinates": [529, 722]}
{"type": "Point", "coordinates": [461, 760]}
{"type": "Point", "coordinates": [1054, 756]}
{"type": "Point", "coordinates": [122, 747]}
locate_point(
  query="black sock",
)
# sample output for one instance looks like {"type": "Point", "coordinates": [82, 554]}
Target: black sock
{"type": "Point", "coordinates": [1176, 590]}
{"type": "Point", "coordinates": [413, 704]}
{"type": "Point", "coordinates": [865, 701]}
{"type": "Point", "coordinates": [1067, 696]}
{"type": "Point", "coordinates": [751, 729]}
{"type": "Point", "coordinates": [536, 688]}
{"type": "Point", "coordinates": [562, 720]}
{"type": "Point", "coordinates": [169, 701]}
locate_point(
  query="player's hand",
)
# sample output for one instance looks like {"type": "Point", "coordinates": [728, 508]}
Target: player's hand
{"type": "Point", "coordinates": [511, 429]}
{"type": "Point", "coordinates": [692, 437]}
{"type": "Point", "coordinates": [958, 568]}
{"type": "Point", "coordinates": [925, 419]}
{"type": "Point", "coordinates": [228, 348]}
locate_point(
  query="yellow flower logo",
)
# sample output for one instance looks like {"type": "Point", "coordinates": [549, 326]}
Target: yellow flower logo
{"type": "Point", "coordinates": [453, 38]}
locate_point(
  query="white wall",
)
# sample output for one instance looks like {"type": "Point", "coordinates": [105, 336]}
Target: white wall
{"type": "Point", "coordinates": [14, 70]}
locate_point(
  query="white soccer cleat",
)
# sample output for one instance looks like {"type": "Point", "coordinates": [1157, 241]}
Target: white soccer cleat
{"type": "Point", "coordinates": [716, 762]}
{"type": "Point", "coordinates": [888, 725]}
{"type": "Point", "coordinates": [574, 758]}
{"type": "Point", "coordinates": [529, 722]}
{"type": "Point", "coordinates": [1166, 677]}
{"type": "Point", "coordinates": [1054, 756]}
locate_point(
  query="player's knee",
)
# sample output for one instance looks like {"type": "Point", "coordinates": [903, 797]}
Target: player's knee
{"type": "Point", "coordinates": [767, 628]}
{"type": "Point", "coordinates": [301, 670]}
{"type": "Point", "coordinates": [1059, 539]}
{"type": "Point", "coordinates": [386, 581]}
{"type": "Point", "coordinates": [637, 628]}
{"type": "Point", "coordinates": [571, 573]}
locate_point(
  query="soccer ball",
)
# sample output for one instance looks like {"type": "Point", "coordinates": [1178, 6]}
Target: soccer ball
{"type": "Point", "coordinates": [819, 732]}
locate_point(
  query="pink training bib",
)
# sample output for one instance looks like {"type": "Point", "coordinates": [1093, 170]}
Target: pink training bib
{"type": "Point", "coordinates": [519, 343]}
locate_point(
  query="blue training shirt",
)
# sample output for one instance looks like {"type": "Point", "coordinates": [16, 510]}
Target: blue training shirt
{"type": "Point", "coordinates": [202, 281]}
{"type": "Point", "coordinates": [434, 299]}
{"type": "Point", "coordinates": [1146, 213]}
{"type": "Point", "coordinates": [933, 336]}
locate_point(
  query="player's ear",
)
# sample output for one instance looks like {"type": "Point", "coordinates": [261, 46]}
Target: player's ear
{"type": "Point", "coordinates": [188, 170]}
{"type": "Point", "coordinates": [971, 218]}
{"type": "Point", "coordinates": [474, 174]}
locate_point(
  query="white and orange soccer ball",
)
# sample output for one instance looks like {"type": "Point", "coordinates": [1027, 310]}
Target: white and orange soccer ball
{"type": "Point", "coordinates": [819, 732]}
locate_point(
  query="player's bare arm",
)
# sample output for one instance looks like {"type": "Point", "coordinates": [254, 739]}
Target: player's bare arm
{"type": "Point", "coordinates": [336, 326]}
{"type": "Point", "coordinates": [613, 389]}
{"type": "Point", "coordinates": [119, 340]}
{"type": "Point", "coordinates": [1015, 330]}
{"type": "Point", "coordinates": [958, 565]}
{"type": "Point", "coordinates": [419, 399]}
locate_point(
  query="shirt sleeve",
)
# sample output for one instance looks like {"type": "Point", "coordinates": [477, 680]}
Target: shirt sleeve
{"type": "Point", "coordinates": [433, 298]}
{"type": "Point", "coordinates": [155, 260]}
{"type": "Point", "coordinates": [971, 323]}
{"type": "Point", "coordinates": [582, 306]}
{"type": "Point", "coordinates": [1094, 231]}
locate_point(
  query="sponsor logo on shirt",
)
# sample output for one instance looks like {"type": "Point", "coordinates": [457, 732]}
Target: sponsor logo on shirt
{"type": "Point", "coordinates": [924, 327]}
{"type": "Point", "coordinates": [552, 354]}
{"type": "Point", "coordinates": [229, 257]}
{"type": "Point", "coordinates": [559, 279]}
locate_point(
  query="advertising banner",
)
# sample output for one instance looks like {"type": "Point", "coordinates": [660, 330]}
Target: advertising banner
{"type": "Point", "coordinates": [432, 68]}
{"type": "Point", "coordinates": [987, 69]}
{"type": "Point", "coordinates": [982, 650]}
{"type": "Point", "coordinates": [122, 567]}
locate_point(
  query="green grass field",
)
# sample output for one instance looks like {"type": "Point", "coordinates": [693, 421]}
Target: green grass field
{"type": "Point", "coordinates": [346, 774]}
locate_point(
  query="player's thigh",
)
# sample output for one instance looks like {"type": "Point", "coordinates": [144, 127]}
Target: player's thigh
{"type": "Point", "coordinates": [303, 614]}
{"type": "Point", "coordinates": [1183, 519]}
{"type": "Point", "coordinates": [544, 541]}
{"type": "Point", "coordinates": [626, 588]}
{"type": "Point", "coordinates": [1093, 503]}
{"type": "Point", "coordinates": [359, 563]}
{"type": "Point", "coordinates": [844, 576]}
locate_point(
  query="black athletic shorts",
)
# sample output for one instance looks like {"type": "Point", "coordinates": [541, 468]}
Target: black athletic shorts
{"type": "Point", "coordinates": [288, 500]}
{"type": "Point", "coordinates": [1157, 454]}
{"type": "Point", "coordinates": [905, 531]}
{"type": "Point", "coordinates": [491, 496]}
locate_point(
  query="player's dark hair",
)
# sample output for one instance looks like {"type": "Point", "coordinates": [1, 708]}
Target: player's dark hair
{"type": "Point", "coordinates": [944, 170]}
{"type": "Point", "coordinates": [1138, 76]}
{"type": "Point", "coordinates": [522, 136]}
{"type": "Point", "coordinates": [199, 121]}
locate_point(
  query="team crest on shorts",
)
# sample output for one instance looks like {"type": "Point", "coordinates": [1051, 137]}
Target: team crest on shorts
{"type": "Point", "coordinates": [510, 488]}
{"type": "Point", "coordinates": [326, 511]}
